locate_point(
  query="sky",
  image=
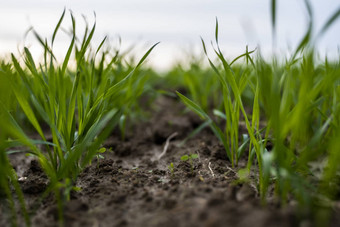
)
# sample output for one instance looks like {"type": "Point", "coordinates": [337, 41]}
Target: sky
{"type": "Point", "coordinates": [176, 24]}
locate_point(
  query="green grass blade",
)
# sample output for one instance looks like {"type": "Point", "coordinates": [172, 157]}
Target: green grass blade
{"type": "Point", "coordinates": [273, 19]}
{"type": "Point", "coordinates": [242, 55]}
{"type": "Point", "coordinates": [44, 44]}
{"type": "Point", "coordinates": [216, 31]}
{"type": "Point", "coordinates": [108, 122]}
{"type": "Point", "coordinates": [112, 90]}
{"type": "Point", "coordinates": [193, 106]}
{"type": "Point", "coordinates": [29, 112]}
{"type": "Point", "coordinates": [198, 110]}
{"type": "Point", "coordinates": [101, 44]}
{"type": "Point", "coordinates": [146, 55]}
{"type": "Point", "coordinates": [58, 26]}
{"type": "Point", "coordinates": [67, 57]}
{"type": "Point", "coordinates": [195, 132]}
{"type": "Point", "coordinates": [329, 22]}
{"type": "Point", "coordinates": [307, 37]}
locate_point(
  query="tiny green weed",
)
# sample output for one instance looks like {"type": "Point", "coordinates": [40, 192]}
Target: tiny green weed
{"type": "Point", "coordinates": [190, 159]}
{"type": "Point", "coordinates": [171, 168]}
{"type": "Point", "coordinates": [99, 156]}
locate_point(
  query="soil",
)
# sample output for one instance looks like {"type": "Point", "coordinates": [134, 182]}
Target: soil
{"type": "Point", "coordinates": [133, 185]}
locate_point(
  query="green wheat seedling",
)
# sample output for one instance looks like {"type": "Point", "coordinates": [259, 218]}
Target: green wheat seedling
{"type": "Point", "coordinates": [298, 99]}
{"type": "Point", "coordinates": [232, 87]}
{"type": "Point", "coordinates": [10, 190]}
{"type": "Point", "coordinates": [300, 102]}
{"type": "Point", "coordinates": [199, 81]}
{"type": "Point", "coordinates": [80, 108]}
{"type": "Point", "coordinates": [9, 186]}
{"type": "Point", "coordinates": [8, 181]}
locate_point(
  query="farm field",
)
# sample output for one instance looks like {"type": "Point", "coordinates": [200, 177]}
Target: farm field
{"type": "Point", "coordinates": [133, 187]}
{"type": "Point", "coordinates": [98, 139]}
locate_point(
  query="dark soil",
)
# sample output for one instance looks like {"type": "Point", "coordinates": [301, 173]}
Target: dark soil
{"type": "Point", "coordinates": [133, 185]}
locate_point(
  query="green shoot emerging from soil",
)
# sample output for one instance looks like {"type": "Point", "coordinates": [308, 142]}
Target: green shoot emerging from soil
{"type": "Point", "coordinates": [79, 109]}
{"type": "Point", "coordinates": [295, 102]}
{"type": "Point", "coordinates": [278, 120]}
{"type": "Point", "coordinates": [171, 168]}
{"type": "Point", "coordinates": [190, 158]}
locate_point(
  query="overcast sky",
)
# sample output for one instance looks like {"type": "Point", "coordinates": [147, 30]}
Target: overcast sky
{"type": "Point", "coordinates": [178, 25]}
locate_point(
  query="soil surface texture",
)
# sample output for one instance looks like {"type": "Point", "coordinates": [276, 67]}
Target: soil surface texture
{"type": "Point", "coordinates": [134, 185]}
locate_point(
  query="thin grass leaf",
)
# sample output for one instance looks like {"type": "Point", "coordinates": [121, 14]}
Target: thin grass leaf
{"type": "Point", "coordinates": [44, 44]}
{"type": "Point", "coordinates": [69, 51]}
{"type": "Point", "coordinates": [273, 13]}
{"type": "Point", "coordinates": [329, 22]}
{"type": "Point", "coordinates": [146, 55]}
{"type": "Point", "coordinates": [332, 167]}
{"type": "Point", "coordinates": [307, 37]}
{"type": "Point", "coordinates": [109, 122]}
{"type": "Point", "coordinates": [112, 90]}
{"type": "Point", "coordinates": [204, 48]}
{"type": "Point", "coordinates": [29, 112]}
{"type": "Point", "coordinates": [198, 110]}
{"type": "Point", "coordinates": [71, 109]}
{"type": "Point", "coordinates": [220, 114]}
{"type": "Point", "coordinates": [101, 44]}
{"type": "Point", "coordinates": [193, 106]}
{"type": "Point", "coordinates": [16, 143]}
{"type": "Point", "coordinates": [241, 149]}
{"type": "Point", "coordinates": [195, 132]}
{"type": "Point", "coordinates": [30, 62]}
{"type": "Point", "coordinates": [58, 26]}
{"type": "Point", "coordinates": [216, 31]}
{"type": "Point", "coordinates": [86, 43]}
{"type": "Point", "coordinates": [242, 55]}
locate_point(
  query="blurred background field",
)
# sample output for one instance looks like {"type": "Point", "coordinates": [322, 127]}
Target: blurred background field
{"type": "Point", "coordinates": [178, 25]}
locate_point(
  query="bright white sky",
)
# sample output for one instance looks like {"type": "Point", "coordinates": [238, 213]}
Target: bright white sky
{"type": "Point", "coordinates": [177, 24]}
